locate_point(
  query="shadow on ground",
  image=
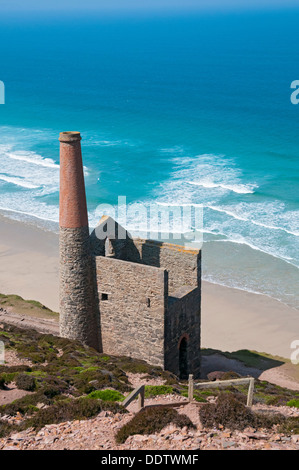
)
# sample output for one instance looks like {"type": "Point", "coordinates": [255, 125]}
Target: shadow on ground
{"type": "Point", "coordinates": [244, 362]}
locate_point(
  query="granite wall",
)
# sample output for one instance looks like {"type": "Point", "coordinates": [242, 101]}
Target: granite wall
{"type": "Point", "coordinates": [133, 300]}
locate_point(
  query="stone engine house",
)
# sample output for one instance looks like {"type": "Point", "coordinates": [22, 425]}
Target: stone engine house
{"type": "Point", "coordinates": [124, 296]}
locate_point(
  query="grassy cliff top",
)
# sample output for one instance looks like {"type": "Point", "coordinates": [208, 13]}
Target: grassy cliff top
{"type": "Point", "coordinates": [26, 307]}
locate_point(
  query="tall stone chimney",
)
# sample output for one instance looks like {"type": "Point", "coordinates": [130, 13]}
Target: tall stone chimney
{"type": "Point", "coordinates": [78, 316]}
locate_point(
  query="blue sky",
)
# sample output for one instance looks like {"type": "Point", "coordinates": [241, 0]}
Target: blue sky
{"type": "Point", "coordinates": [141, 5]}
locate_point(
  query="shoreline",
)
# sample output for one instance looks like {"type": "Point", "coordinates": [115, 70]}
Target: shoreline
{"type": "Point", "coordinates": [232, 319]}
{"type": "Point", "coordinates": [252, 267]}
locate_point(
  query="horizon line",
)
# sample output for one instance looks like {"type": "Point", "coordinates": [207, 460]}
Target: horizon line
{"type": "Point", "coordinates": [120, 11]}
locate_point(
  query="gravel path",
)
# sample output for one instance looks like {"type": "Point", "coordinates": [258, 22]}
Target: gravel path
{"type": "Point", "coordinates": [41, 325]}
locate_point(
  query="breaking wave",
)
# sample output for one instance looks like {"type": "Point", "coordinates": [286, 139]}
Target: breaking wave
{"type": "Point", "coordinates": [239, 189]}
{"type": "Point", "coordinates": [17, 182]}
{"type": "Point", "coordinates": [33, 158]}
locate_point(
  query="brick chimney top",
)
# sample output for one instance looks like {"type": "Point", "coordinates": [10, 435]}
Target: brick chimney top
{"type": "Point", "coordinates": [69, 136]}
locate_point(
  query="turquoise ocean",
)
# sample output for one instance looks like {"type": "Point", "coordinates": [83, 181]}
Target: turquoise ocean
{"type": "Point", "coordinates": [189, 109]}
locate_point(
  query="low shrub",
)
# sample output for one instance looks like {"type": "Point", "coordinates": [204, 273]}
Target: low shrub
{"type": "Point", "coordinates": [152, 420]}
{"type": "Point", "coordinates": [53, 386]}
{"type": "Point", "coordinates": [196, 397]}
{"type": "Point", "coordinates": [104, 358]}
{"type": "Point", "coordinates": [229, 412]}
{"type": "Point", "coordinates": [24, 405]}
{"type": "Point", "coordinates": [2, 383]}
{"type": "Point", "coordinates": [8, 377]}
{"type": "Point", "coordinates": [69, 410]}
{"type": "Point", "coordinates": [14, 369]}
{"type": "Point", "coordinates": [37, 373]}
{"type": "Point", "coordinates": [107, 395]}
{"type": "Point", "coordinates": [135, 367]}
{"type": "Point", "coordinates": [5, 429]}
{"type": "Point", "coordinates": [154, 390]}
{"type": "Point", "coordinates": [290, 426]}
{"type": "Point", "coordinates": [230, 375]}
{"type": "Point", "coordinates": [293, 403]}
{"type": "Point", "coordinates": [26, 382]}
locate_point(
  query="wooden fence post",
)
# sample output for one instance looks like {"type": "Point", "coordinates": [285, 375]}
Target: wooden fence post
{"type": "Point", "coordinates": [190, 388]}
{"type": "Point", "coordinates": [250, 392]}
{"type": "Point", "coordinates": [141, 399]}
{"type": "Point", "coordinates": [138, 392]}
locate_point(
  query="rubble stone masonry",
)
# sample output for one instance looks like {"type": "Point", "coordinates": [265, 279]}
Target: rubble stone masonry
{"type": "Point", "coordinates": [133, 300]}
{"type": "Point", "coordinates": [79, 317]}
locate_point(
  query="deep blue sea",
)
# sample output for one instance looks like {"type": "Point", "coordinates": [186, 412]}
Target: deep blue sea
{"type": "Point", "coordinates": [177, 110]}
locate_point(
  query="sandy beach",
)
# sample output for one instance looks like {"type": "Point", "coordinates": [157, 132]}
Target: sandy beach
{"type": "Point", "coordinates": [231, 319]}
{"type": "Point", "coordinates": [29, 262]}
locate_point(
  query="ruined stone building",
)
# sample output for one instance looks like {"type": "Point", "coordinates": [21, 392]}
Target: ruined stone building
{"type": "Point", "coordinates": [120, 295]}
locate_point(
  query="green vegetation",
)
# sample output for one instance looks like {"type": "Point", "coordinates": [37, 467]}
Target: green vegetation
{"type": "Point", "coordinates": [290, 426]}
{"type": "Point", "coordinates": [271, 394]}
{"type": "Point", "coordinates": [293, 403]}
{"type": "Point", "coordinates": [264, 392]}
{"type": "Point", "coordinates": [255, 359]}
{"type": "Point", "coordinates": [135, 366]}
{"type": "Point", "coordinates": [37, 373]}
{"type": "Point", "coordinates": [8, 374]}
{"type": "Point", "coordinates": [68, 410]}
{"type": "Point", "coordinates": [230, 413]}
{"type": "Point", "coordinates": [106, 395]}
{"type": "Point", "coordinates": [64, 372]}
{"type": "Point", "coordinates": [152, 420]}
{"type": "Point", "coordinates": [26, 382]}
{"type": "Point", "coordinates": [196, 396]}
{"type": "Point", "coordinates": [29, 307]}
{"type": "Point", "coordinates": [71, 380]}
{"type": "Point", "coordinates": [230, 376]}
{"type": "Point", "coordinates": [2, 383]}
{"type": "Point", "coordinates": [62, 410]}
{"type": "Point", "coordinates": [154, 390]}
{"type": "Point", "coordinates": [5, 429]}
{"type": "Point", "coordinates": [138, 368]}
{"type": "Point", "coordinates": [105, 358]}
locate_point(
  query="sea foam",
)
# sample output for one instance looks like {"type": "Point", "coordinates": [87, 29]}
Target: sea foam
{"type": "Point", "coordinates": [33, 158]}
{"type": "Point", "coordinates": [18, 182]}
{"type": "Point", "coordinates": [237, 188]}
